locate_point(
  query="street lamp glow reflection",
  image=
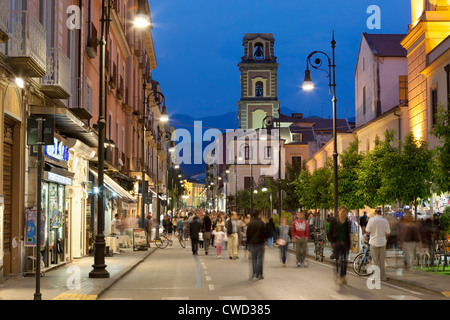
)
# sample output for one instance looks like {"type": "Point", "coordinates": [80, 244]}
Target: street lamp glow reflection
{"type": "Point", "coordinates": [20, 82]}
{"type": "Point", "coordinates": [142, 21]}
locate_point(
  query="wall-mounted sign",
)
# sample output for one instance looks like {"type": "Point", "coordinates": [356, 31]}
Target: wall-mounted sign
{"type": "Point", "coordinates": [47, 131]}
{"type": "Point", "coordinates": [58, 178]}
{"type": "Point", "coordinates": [57, 151]}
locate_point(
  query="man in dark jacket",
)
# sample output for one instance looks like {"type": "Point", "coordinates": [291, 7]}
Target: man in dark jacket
{"type": "Point", "coordinates": [194, 228]}
{"type": "Point", "coordinates": [340, 239]}
{"type": "Point", "coordinates": [256, 237]}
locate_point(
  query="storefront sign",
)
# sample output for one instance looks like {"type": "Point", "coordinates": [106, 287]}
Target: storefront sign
{"type": "Point", "coordinates": [59, 179]}
{"type": "Point", "coordinates": [57, 151]}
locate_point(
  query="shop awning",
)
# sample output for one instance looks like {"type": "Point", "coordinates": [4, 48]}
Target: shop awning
{"type": "Point", "coordinates": [67, 123]}
{"type": "Point", "coordinates": [122, 193]}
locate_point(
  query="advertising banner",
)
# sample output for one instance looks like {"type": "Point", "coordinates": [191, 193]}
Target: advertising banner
{"type": "Point", "coordinates": [31, 228]}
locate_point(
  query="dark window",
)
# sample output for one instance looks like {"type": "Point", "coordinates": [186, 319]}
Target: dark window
{"type": "Point", "coordinates": [364, 100]}
{"type": "Point", "coordinates": [247, 183]}
{"type": "Point", "coordinates": [259, 90]}
{"type": "Point", "coordinates": [403, 87]}
{"type": "Point", "coordinates": [434, 105]}
{"type": "Point", "coordinates": [297, 137]}
{"type": "Point", "coordinates": [259, 51]}
{"type": "Point", "coordinates": [248, 153]}
{"type": "Point", "coordinates": [297, 163]}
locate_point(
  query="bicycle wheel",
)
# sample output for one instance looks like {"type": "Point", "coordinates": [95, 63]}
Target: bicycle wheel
{"type": "Point", "coordinates": [162, 242]}
{"type": "Point", "coordinates": [182, 243]}
{"type": "Point", "coordinates": [361, 263]}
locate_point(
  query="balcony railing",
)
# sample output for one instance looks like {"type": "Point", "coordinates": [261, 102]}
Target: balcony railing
{"type": "Point", "coordinates": [4, 20]}
{"type": "Point", "coordinates": [82, 98]}
{"type": "Point", "coordinates": [56, 83]}
{"type": "Point", "coordinates": [27, 49]}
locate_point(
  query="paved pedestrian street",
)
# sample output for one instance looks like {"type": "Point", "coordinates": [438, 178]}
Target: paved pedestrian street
{"type": "Point", "coordinates": [175, 274]}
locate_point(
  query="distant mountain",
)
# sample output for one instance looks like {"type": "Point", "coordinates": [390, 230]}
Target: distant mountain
{"type": "Point", "coordinates": [187, 122]}
{"type": "Point", "coordinates": [221, 122]}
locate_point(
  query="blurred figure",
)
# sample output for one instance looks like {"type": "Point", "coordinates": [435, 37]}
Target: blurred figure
{"type": "Point", "coordinates": [311, 221]}
{"type": "Point", "coordinates": [363, 222]}
{"type": "Point", "coordinates": [168, 226]}
{"type": "Point", "coordinates": [243, 232]}
{"type": "Point", "coordinates": [207, 228]}
{"type": "Point", "coordinates": [283, 239]}
{"type": "Point", "coordinates": [232, 236]}
{"type": "Point", "coordinates": [271, 232]}
{"type": "Point", "coordinates": [116, 224]}
{"type": "Point", "coordinates": [256, 237]}
{"type": "Point", "coordinates": [409, 238]}
{"type": "Point", "coordinates": [300, 233]}
{"type": "Point", "coordinates": [185, 227]}
{"type": "Point", "coordinates": [378, 229]}
{"type": "Point", "coordinates": [219, 237]}
{"type": "Point", "coordinates": [428, 236]}
{"type": "Point", "coordinates": [340, 238]}
{"type": "Point", "coordinates": [194, 230]}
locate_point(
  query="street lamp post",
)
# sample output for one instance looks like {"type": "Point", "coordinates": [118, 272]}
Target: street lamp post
{"type": "Point", "coordinates": [99, 266]}
{"type": "Point", "coordinates": [167, 136]}
{"type": "Point", "coordinates": [308, 85]}
{"type": "Point", "coordinates": [268, 122]}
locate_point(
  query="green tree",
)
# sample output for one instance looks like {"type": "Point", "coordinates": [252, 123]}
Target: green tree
{"type": "Point", "coordinates": [441, 159]}
{"type": "Point", "coordinates": [315, 191]}
{"type": "Point", "coordinates": [350, 162]}
{"type": "Point", "coordinates": [291, 201]}
{"type": "Point", "coordinates": [413, 172]}
{"type": "Point", "coordinates": [377, 173]}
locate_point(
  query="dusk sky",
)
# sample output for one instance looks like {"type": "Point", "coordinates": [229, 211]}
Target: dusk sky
{"type": "Point", "coordinates": [198, 45]}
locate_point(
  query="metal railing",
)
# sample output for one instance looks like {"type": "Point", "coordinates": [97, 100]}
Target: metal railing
{"type": "Point", "coordinates": [82, 95]}
{"type": "Point", "coordinates": [4, 16]}
{"type": "Point", "coordinates": [58, 70]}
{"type": "Point", "coordinates": [28, 38]}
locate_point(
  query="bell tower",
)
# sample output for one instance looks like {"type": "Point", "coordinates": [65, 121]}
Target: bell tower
{"type": "Point", "coordinates": [258, 67]}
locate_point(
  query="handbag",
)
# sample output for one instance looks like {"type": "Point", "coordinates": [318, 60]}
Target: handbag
{"type": "Point", "coordinates": [281, 242]}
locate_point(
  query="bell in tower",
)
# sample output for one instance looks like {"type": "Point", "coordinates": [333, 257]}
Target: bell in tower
{"type": "Point", "coordinates": [258, 69]}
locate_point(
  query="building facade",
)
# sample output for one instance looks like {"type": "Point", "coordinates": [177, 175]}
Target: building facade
{"type": "Point", "coordinates": [49, 69]}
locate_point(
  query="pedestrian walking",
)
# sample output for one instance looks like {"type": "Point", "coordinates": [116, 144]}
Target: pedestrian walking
{"type": "Point", "coordinates": [340, 238]}
{"type": "Point", "coordinates": [271, 232]}
{"type": "Point", "coordinates": [256, 238]}
{"type": "Point", "coordinates": [219, 239]}
{"type": "Point", "coordinates": [300, 234]}
{"type": "Point", "coordinates": [284, 231]}
{"type": "Point", "coordinates": [311, 222]}
{"type": "Point", "coordinates": [207, 229]}
{"type": "Point", "coordinates": [409, 238]}
{"type": "Point", "coordinates": [194, 230]}
{"type": "Point", "coordinates": [378, 229]}
{"type": "Point", "coordinates": [232, 236]}
{"type": "Point", "coordinates": [185, 228]}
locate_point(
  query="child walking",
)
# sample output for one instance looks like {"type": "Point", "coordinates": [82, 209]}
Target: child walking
{"type": "Point", "coordinates": [219, 237]}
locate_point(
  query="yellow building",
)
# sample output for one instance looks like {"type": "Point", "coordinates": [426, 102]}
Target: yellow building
{"type": "Point", "coordinates": [430, 26]}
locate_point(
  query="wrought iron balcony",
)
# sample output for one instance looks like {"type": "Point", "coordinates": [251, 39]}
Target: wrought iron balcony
{"type": "Point", "coordinates": [27, 49]}
{"type": "Point", "coordinates": [82, 99]}
{"type": "Point", "coordinates": [56, 83]}
{"type": "Point", "coordinates": [4, 20]}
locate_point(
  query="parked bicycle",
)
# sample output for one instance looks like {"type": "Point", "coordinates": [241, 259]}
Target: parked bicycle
{"type": "Point", "coordinates": [163, 240]}
{"type": "Point", "coordinates": [319, 243]}
{"type": "Point", "coordinates": [363, 260]}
